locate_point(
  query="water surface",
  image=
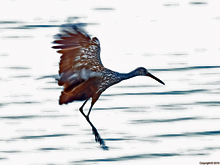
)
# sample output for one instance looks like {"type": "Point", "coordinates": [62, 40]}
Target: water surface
{"type": "Point", "coordinates": [140, 120]}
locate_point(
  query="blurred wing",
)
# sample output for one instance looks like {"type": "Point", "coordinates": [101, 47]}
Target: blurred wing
{"type": "Point", "coordinates": [80, 58]}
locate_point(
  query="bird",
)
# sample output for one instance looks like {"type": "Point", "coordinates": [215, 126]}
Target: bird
{"type": "Point", "coordinates": [82, 73]}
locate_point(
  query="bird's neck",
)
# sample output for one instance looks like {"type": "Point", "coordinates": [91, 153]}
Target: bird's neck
{"type": "Point", "coordinates": [125, 76]}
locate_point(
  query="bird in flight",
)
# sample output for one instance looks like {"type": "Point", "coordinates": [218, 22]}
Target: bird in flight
{"type": "Point", "coordinates": [82, 73]}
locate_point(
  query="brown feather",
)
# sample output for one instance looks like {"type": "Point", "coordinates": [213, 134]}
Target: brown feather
{"type": "Point", "coordinates": [79, 52]}
{"type": "Point", "coordinates": [83, 91]}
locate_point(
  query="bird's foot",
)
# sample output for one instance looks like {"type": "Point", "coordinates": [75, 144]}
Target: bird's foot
{"type": "Point", "coordinates": [99, 139]}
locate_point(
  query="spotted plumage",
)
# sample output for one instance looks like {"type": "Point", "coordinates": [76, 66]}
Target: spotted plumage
{"type": "Point", "coordinates": [81, 71]}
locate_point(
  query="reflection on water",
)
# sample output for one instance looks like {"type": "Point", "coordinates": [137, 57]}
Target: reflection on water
{"type": "Point", "coordinates": [139, 120]}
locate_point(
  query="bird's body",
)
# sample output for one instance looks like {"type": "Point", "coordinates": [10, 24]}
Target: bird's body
{"type": "Point", "coordinates": [81, 71]}
{"type": "Point", "coordinates": [93, 84]}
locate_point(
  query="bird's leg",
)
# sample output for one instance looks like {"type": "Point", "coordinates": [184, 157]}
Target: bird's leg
{"type": "Point", "coordinates": [90, 110]}
{"type": "Point", "coordinates": [81, 109]}
{"type": "Point", "coordinates": [94, 130]}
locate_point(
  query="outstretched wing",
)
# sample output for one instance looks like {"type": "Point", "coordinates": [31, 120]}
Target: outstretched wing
{"type": "Point", "coordinates": [80, 58]}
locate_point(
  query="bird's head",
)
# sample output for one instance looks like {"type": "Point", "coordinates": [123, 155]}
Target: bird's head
{"type": "Point", "coordinates": [141, 71]}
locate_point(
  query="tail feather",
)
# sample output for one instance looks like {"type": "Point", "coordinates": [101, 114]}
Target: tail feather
{"type": "Point", "coordinates": [66, 98]}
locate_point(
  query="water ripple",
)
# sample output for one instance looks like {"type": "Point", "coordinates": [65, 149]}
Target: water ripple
{"type": "Point", "coordinates": [131, 157]}
{"type": "Point", "coordinates": [11, 151]}
{"type": "Point", "coordinates": [141, 156]}
{"type": "Point", "coordinates": [198, 3]}
{"type": "Point", "coordinates": [29, 117]}
{"type": "Point", "coordinates": [10, 22]}
{"type": "Point", "coordinates": [208, 103]}
{"type": "Point", "coordinates": [44, 136]}
{"type": "Point", "coordinates": [103, 8]}
{"type": "Point", "coordinates": [204, 133]}
{"type": "Point", "coordinates": [116, 139]}
{"type": "Point", "coordinates": [164, 120]}
{"type": "Point", "coordinates": [17, 67]}
{"type": "Point", "coordinates": [50, 149]}
{"type": "Point", "coordinates": [186, 68]}
{"type": "Point", "coordinates": [161, 93]}
{"type": "Point", "coordinates": [2, 158]}
{"type": "Point", "coordinates": [54, 76]}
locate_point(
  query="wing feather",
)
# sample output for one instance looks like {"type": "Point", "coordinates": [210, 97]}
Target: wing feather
{"type": "Point", "coordinates": [80, 54]}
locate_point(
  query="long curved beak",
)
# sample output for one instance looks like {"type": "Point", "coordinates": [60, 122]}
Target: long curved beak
{"type": "Point", "coordinates": [155, 78]}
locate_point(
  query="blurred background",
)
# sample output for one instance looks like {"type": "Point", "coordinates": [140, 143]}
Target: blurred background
{"type": "Point", "coordinates": [140, 120]}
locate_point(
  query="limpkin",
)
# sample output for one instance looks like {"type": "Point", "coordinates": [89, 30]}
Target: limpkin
{"type": "Point", "coordinates": [82, 73]}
